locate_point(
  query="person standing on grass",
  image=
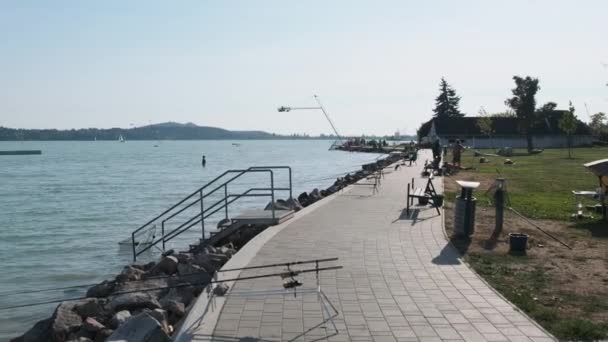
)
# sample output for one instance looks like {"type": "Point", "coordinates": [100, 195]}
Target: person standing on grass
{"type": "Point", "coordinates": [436, 149]}
{"type": "Point", "coordinates": [457, 153]}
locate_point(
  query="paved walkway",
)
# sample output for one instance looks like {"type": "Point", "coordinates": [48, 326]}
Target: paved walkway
{"type": "Point", "coordinates": [401, 280]}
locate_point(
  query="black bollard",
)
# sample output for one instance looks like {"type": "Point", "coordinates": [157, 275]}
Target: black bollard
{"type": "Point", "coordinates": [499, 200]}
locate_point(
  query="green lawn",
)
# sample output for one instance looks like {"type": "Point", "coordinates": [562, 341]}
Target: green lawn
{"type": "Point", "coordinates": [539, 185]}
{"type": "Point", "coordinates": [523, 281]}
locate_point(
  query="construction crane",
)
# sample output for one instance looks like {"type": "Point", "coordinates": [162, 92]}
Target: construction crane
{"type": "Point", "coordinates": [288, 109]}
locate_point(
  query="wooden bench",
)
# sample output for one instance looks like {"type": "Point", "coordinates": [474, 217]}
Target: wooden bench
{"type": "Point", "coordinates": [427, 193]}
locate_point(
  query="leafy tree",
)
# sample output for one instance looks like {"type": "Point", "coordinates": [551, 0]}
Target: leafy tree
{"type": "Point", "coordinates": [546, 109]}
{"type": "Point", "coordinates": [523, 103]}
{"type": "Point", "coordinates": [485, 124]}
{"type": "Point", "coordinates": [568, 124]}
{"type": "Point", "coordinates": [598, 123]}
{"type": "Point", "coordinates": [446, 104]}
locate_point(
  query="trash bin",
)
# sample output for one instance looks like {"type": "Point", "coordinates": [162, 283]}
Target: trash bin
{"type": "Point", "coordinates": [464, 210]}
{"type": "Point", "coordinates": [518, 242]}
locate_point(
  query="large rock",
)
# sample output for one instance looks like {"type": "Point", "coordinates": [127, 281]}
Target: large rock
{"type": "Point", "coordinates": [166, 265]}
{"type": "Point", "coordinates": [129, 273]}
{"type": "Point", "coordinates": [220, 289]}
{"type": "Point", "coordinates": [227, 250]}
{"type": "Point", "coordinates": [90, 324]}
{"type": "Point", "coordinates": [161, 316]}
{"type": "Point", "coordinates": [64, 322]}
{"type": "Point", "coordinates": [184, 257]}
{"type": "Point", "coordinates": [177, 295]}
{"type": "Point", "coordinates": [119, 318]}
{"type": "Point", "coordinates": [332, 189]}
{"type": "Point", "coordinates": [203, 261]}
{"type": "Point", "coordinates": [159, 284]}
{"type": "Point", "coordinates": [97, 308]}
{"type": "Point", "coordinates": [40, 332]}
{"type": "Point", "coordinates": [102, 289]}
{"type": "Point", "coordinates": [303, 199]}
{"type": "Point", "coordinates": [175, 310]}
{"type": "Point", "coordinates": [134, 301]}
{"type": "Point", "coordinates": [314, 195]}
{"type": "Point", "coordinates": [218, 259]}
{"type": "Point", "coordinates": [193, 274]}
{"type": "Point", "coordinates": [294, 204]}
{"type": "Point", "coordinates": [103, 335]}
{"type": "Point", "coordinates": [278, 205]}
{"type": "Point", "coordinates": [140, 328]}
{"type": "Point", "coordinates": [80, 339]}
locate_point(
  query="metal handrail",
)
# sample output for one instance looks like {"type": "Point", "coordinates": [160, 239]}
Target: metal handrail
{"type": "Point", "coordinates": [236, 173]}
{"type": "Point", "coordinates": [177, 231]}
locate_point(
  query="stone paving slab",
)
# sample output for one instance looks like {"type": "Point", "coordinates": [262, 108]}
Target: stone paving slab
{"type": "Point", "coordinates": [401, 279]}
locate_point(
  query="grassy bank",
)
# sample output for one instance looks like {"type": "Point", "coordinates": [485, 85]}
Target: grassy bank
{"type": "Point", "coordinates": [564, 290]}
{"type": "Point", "coordinates": [539, 185]}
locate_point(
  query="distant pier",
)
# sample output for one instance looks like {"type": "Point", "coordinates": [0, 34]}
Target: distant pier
{"type": "Point", "coordinates": [20, 152]}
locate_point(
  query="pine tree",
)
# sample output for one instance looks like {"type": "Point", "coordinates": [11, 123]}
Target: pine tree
{"type": "Point", "coordinates": [446, 104]}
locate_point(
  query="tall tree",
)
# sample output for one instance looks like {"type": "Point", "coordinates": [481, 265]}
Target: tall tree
{"type": "Point", "coordinates": [546, 109]}
{"type": "Point", "coordinates": [568, 124]}
{"type": "Point", "coordinates": [598, 123]}
{"type": "Point", "coordinates": [446, 104]}
{"type": "Point", "coordinates": [523, 103]}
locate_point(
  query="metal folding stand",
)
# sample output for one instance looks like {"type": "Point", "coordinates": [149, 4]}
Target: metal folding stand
{"type": "Point", "coordinates": [328, 309]}
{"type": "Point", "coordinates": [291, 286]}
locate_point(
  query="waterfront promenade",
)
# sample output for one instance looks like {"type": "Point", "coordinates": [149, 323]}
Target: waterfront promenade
{"type": "Point", "coordinates": [401, 279]}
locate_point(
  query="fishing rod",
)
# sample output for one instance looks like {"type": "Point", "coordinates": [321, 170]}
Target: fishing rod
{"type": "Point", "coordinates": [528, 220]}
{"type": "Point", "coordinates": [290, 273]}
{"type": "Point", "coordinates": [3, 294]}
{"type": "Point", "coordinates": [286, 264]}
{"type": "Point", "coordinates": [537, 227]}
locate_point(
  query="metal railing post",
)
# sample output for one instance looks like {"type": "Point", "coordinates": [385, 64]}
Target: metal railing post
{"type": "Point", "coordinates": [290, 187]}
{"type": "Point", "coordinates": [133, 245]}
{"type": "Point", "coordinates": [163, 231]}
{"type": "Point", "coordinates": [226, 201]}
{"type": "Point", "coordinates": [200, 193]}
{"type": "Point", "coordinates": [272, 194]}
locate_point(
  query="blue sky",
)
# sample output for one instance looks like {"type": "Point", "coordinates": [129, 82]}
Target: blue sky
{"type": "Point", "coordinates": [376, 65]}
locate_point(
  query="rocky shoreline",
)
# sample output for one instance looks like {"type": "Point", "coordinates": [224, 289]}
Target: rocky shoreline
{"type": "Point", "coordinates": [147, 302]}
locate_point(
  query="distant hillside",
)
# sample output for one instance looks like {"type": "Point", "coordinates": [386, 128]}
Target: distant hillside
{"type": "Point", "coordinates": [161, 131]}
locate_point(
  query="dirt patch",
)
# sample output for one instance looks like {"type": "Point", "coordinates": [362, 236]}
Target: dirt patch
{"type": "Point", "coordinates": [555, 285]}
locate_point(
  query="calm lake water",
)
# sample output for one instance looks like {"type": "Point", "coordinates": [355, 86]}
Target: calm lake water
{"type": "Point", "coordinates": [63, 213]}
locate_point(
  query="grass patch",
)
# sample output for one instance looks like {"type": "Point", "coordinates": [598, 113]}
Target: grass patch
{"type": "Point", "coordinates": [539, 185]}
{"type": "Point", "coordinates": [523, 282]}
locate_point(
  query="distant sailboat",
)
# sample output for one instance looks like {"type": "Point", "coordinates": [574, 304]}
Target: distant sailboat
{"type": "Point", "coordinates": [121, 139]}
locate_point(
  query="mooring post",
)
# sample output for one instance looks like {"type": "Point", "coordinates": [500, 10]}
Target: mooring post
{"type": "Point", "coordinates": [499, 200]}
